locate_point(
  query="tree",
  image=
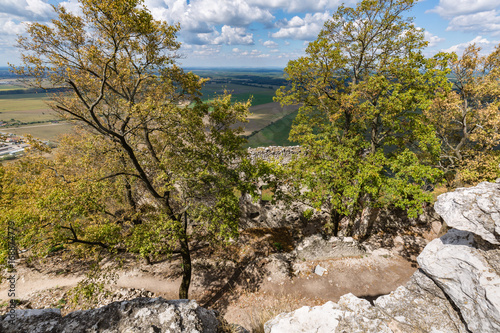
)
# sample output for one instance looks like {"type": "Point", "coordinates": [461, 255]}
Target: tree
{"type": "Point", "coordinates": [467, 119]}
{"type": "Point", "coordinates": [151, 165]}
{"type": "Point", "coordinates": [361, 88]}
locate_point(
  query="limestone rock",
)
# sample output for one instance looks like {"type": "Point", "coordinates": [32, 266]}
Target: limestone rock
{"type": "Point", "coordinates": [419, 306]}
{"type": "Point", "coordinates": [316, 248]}
{"type": "Point", "coordinates": [349, 315]}
{"type": "Point", "coordinates": [475, 209]}
{"type": "Point", "coordinates": [138, 315]}
{"type": "Point", "coordinates": [456, 290]}
{"type": "Point", "coordinates": [468, 276]}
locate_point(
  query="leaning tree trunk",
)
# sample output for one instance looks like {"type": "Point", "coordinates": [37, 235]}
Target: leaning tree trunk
{"type": "Point", "coordinates": [186, 262]}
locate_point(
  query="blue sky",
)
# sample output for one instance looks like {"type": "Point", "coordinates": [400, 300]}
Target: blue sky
{"type": "Point", "coordinates": [268, 33]}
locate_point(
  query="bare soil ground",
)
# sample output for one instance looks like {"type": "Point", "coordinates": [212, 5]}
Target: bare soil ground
{"type": "Point", "coordinates": [248, 282]}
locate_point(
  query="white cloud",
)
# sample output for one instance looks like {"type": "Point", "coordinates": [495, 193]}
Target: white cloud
{"type": "Point", "coordinates": [250, 54]}
{"type": "Point", "coordinates": [9, 27]}
{"type": "Point", "coordinates": [301, 6]}
{"type": "Point", "coordinates": [188, 51]}
{"type": "Point", "coordinates": [270, 44]}
{"type": "Point", "coordinates": [200, 15]}
{"type": "Point", "coordinates": [450, 8]}
{"type": "Point", "coordinates": [72, 6]}
{"type": "Point", "coordinates": [27, 9]}
{"type": "Point", "coordinates": [477, 16]}
{"type": "Point", "coordinates": [306, 28]}
{"type": "Point", "coordinates": [486, 45]}
{"type": "Point", "coordinates": [432, 39]}
{"type": "Point", "coordinates": [483, 22]}
{"type": "Point", "coordinates": [228, 35]}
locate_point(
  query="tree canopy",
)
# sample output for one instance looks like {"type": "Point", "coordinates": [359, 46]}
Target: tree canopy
{"type": "Point", "coordinates": [467, 118]}
{"type": "Point", "coordinates": [151, 165]}
{"type": "Point", "coordinates": [361, 87]}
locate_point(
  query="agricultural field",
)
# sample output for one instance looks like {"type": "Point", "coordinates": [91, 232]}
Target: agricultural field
{"type": "Point", "coordinates": [264, 115]}
{"type": "Point", "coordinates": [25, 112]}
{"type": "Point", "coordinates": [274, 134]}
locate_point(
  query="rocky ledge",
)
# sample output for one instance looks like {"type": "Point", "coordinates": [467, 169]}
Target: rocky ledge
{"type": "Point", "coordinates": [456, 289]}
{"type": "Point", "coordinates": [138, 315]}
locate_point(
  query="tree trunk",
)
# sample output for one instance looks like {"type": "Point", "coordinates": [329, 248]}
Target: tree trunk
{"type": "Point", "coordinates": [186, 262]}
{"type": "Point", "coordinates": [335, 217]}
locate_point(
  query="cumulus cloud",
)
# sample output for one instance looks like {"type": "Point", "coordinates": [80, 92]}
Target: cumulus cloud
{"type": "Point", "coordinates": [228, 35]}
{"type": "Point", "coordinates": [483, 22]}
{"type": "Point", "coordinates": [270, 44]}
{"type": "Point", "coordinates": [450, 8]}
{"type": "Point", "coordinates": [306, 28]}
{"type": "Point", "coordinates": [72, 6]}
{"type": "Point", "coordinates": [478, 16]}
{"type": "Point", "coordinates": [252, 53]}
{"type": "Point", "coordinates": [199, 15]}
{"type": "Point", "coordinates": [27, 9]}
{"type": "Point", "coordinates": [486, 45]}
{"type": "Point", "coordinates": [301, 6]}
{"type": "Point", "coordinates": [432, 39]}
{"type": "Point", "coordinates": [9, 27]}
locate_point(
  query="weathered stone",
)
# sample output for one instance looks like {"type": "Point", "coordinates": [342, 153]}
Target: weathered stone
{"type": "Point", "coordinates": [138, 315]}
{"type": "Point", "coordinates": [420, 306]}
{"type": "Point", "coordinates": [466, 276]}
{"type": "Point", "coordinates": [274, 153]}
{"type": "Point", "coordinates": [457, 289]}
{"type": "Point", "coordinates": [346, 316]}
{"type": "Point", "coordinates": [316, 248]}
{"type": "Point", "coordinates": [475, 209]}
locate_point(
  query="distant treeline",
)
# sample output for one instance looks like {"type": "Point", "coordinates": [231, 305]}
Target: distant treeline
{"type": "Point", "coordinates": [31, 91]}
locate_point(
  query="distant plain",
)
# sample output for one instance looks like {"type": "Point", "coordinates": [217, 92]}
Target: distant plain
{"type": "Point", "coordinates": [23, 112]}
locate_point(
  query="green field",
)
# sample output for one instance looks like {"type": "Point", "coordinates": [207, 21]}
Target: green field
{"type": "Point", "coordinates": [24, 109]}
{"type": "Point", "coordinates": [265, 114]}
{"type": "Point", "coordinates": [240, 93]}
{"type": "Point", "coordinates": [275, 134]}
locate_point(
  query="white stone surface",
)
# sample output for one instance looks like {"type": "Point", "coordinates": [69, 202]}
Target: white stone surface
{"type": "Point", "coordinates": [318, 270]}
{"type": "Point", "coordinates": [466, 276]}
{"type": "Point", "coordinates": [475, 209]}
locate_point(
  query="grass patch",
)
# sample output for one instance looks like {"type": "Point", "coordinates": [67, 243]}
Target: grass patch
{"type": "Point", "coordinates": [25, 109]}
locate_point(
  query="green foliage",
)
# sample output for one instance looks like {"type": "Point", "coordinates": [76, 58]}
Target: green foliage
{"type": "Point", "coordinates": [362, 86]}
{"type": "Point", "coordinates": [143, 172]}
{"type": "Point", "coordinates": [467, 120]}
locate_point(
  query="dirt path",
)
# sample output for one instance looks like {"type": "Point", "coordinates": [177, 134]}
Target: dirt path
{"type": "Point", "coordinates": [256, 293]}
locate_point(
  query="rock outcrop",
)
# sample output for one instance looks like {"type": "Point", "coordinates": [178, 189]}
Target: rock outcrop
{"type": "Point", "coordinates": [274, 153]}
{"type": "Point", "coordinates": [138, 315]}
{"type": "Point", "coordinates": [456, 289]}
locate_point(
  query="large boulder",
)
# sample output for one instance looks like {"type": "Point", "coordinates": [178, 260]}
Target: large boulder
{"type": "Point", "coordinates": [456, 289]}
{"type": "Point", "coordinates": [469, 275]}
{"type": "Point", "coordinates": [475, 209]}
{"type": "Point", "coordinates": [138, 315]}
